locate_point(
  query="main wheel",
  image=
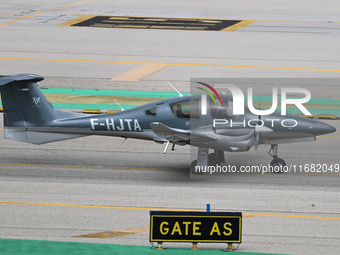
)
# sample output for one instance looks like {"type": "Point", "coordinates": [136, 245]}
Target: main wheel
{"type": "Point", "coordinates": [193, 168]}
{"type": "Point", "coordinates": [278, 164]}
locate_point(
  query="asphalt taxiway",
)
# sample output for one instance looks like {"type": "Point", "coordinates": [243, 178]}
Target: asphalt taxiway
{"type": "Point", "coordinates": [93, 185]}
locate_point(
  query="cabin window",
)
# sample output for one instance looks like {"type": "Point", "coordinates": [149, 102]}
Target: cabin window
{"type": "Point", "coordinates": [151, 112]}
{"type": "Point", "coordinates": [186, 109]}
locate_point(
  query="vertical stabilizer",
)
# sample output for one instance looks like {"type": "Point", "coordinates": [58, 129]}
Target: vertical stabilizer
{"type": "Point", "coordinates": [25, 108]}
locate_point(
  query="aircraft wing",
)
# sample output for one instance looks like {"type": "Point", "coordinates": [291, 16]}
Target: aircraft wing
{"type": "Point", "coordinates": [179, 135]}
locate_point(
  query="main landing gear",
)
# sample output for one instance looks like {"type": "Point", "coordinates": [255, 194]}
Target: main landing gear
{"type": "Point", "coordinates": [205, 159]}
{"type": "Point", "coordinates": [277, 164]}
{"type": "Point", "coordinates": [216, 158]}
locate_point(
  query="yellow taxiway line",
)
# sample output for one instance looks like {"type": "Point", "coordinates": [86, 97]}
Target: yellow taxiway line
{"type": "Point", "coordinates": [168, 209]}
{"type": "Point", "coordinates": [98, 206]}
{"type": "Point", "coordinates": [44, 11]}
{"type": "Point", "coordinates": [172, 64]}
{"type": "Point", "coordinates": [328, 136]}
{"type": "Point", "coordinates": [129, 231]}
{"type": "Point", "coordinates": [302, 21]}
{"type": "Point", "coordinates": [149, 168]}
{"type": "Point", "coordinates": [111, 167]}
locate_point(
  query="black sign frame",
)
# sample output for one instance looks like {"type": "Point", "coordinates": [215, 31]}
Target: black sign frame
{"type": "Point", "coordinates": [170, 226]}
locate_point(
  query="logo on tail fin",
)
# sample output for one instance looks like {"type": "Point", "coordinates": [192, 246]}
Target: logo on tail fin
{"type": "Point", "coordinates": [36, 101]}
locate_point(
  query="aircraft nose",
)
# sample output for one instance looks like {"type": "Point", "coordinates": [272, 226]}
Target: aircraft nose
{"type": "Point", "coordinates": [321, 128]}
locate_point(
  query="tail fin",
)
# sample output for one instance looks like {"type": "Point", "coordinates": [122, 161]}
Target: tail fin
{"type": "Point", "coordinates": [25, 107]}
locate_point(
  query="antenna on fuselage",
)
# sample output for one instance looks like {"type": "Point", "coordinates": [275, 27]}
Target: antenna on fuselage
{"type": "Point", "coordinates": [180, 94]}
{"type": "Point", "coordinates": [119, 105]}
{"type": "Point", "coordinates": [260, 103]}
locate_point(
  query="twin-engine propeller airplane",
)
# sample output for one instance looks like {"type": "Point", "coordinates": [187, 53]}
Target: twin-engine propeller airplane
{"type": "Point", "coordinates": [30, 118]}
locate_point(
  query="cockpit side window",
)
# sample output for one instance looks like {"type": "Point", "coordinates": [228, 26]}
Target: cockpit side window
{"type": "Point", "coordinates": [151, 112]}
{"type": "Point", "coordinates": [186, 109]}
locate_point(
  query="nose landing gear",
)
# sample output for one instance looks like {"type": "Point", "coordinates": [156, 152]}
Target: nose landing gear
{"type": "Point", "coordinates": [277, 163]}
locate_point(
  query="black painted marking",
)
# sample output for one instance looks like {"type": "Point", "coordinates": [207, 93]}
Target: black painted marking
{"type": "Point", "coordinates": [157, 23]}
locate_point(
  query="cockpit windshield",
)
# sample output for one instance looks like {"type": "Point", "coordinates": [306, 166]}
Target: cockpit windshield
{"type": "Point", "coordinates": [186, 109]}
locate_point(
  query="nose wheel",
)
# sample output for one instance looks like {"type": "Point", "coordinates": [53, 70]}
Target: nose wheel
{"type": "Point", "coordinates": [277, 163]}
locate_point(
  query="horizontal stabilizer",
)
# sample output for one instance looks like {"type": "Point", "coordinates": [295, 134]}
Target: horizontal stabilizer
{"type": "Point", "coordinates": [6, 79]}
{"type": "Point", "coordinates": [22, 135]}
